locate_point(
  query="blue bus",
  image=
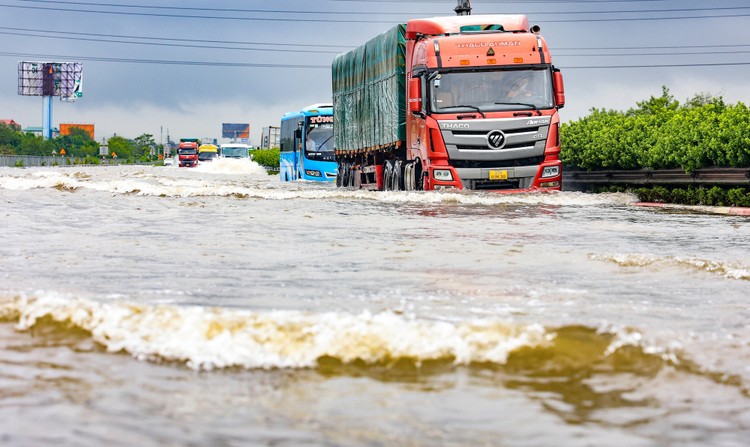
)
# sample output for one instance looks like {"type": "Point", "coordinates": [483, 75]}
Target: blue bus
{"type": "Point", "coordinates": [306, 151]}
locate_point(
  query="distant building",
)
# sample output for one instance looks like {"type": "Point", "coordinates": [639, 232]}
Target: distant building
{"type": "Point", "coordinates": [66, 127]}
{"type": "Point", "coordinates": [40, 132]}
{"type": "Point", "coordinates": [11, 123]}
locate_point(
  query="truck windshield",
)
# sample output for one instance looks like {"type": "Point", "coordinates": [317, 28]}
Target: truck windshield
{"type": "Point", "coordinates": [235, 152]}
{"type": "Point", "coordinates": [319, 142]}
{"type": "Point", "coordinates": [491, 91]}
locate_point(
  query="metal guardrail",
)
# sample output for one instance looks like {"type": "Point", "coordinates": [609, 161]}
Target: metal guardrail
{"type": "Point", "coordinates": [706, 176]}
{"type": "Point", "coordinates": [25, 161]}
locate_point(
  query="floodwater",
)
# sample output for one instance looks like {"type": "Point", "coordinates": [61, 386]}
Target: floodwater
{"type": "Point", "coordinates": [165, 306]}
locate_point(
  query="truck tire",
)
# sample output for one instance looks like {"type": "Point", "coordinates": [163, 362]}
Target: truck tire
{"type": "Point", "coordinates": [398, 176]}
{"type": "Point", "coordinates": [388, 176]}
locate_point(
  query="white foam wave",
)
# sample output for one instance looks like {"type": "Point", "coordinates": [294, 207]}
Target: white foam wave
{"type": "Point", "coordinates": [207, 338]}
{"type": "Point", "coordinates": [729, 270]}
{"type": "Point", "coordinates": [257, 184]}
{"type": "Point", "coordinates": [231, 166]}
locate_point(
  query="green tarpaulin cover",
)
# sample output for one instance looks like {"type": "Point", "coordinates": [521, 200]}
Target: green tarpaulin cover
{"type": "Point", "coordinates": [369, 93]}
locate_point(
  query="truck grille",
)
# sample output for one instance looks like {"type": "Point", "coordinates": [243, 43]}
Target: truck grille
{"type": "Point", "coordinates": [524, 139]}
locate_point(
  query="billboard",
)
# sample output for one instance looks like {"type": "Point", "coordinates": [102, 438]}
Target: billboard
{"type": "Point", "coordinates": [65, 128]}
{"type": "Point", "coordinates": [63, 79]}
{"type": "Point", "coordinates": [235, 130]}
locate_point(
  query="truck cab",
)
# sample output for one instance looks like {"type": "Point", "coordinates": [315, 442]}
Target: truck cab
{"type": "Point", "coordinates": [187, 154]}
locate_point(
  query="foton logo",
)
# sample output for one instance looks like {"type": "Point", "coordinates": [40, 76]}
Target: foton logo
{"type": "Point", "coordinates": [496, 139]}
{"type": "Point", "coordinates": [454, 126]}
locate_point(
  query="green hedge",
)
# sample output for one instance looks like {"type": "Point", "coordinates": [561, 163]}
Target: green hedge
{"type": "Point", "coordinates": [266, 157]}
{"type": "Point", "coordinates": [660, 133]}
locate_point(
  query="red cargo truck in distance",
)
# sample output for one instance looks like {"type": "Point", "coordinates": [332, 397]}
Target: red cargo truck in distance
{"type": "Point", "coordinates": [187, 153]}
{"type": "Point", "coordinates": [449, 103]}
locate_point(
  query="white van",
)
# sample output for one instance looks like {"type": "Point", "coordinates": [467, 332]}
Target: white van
{"type": "Point", "coordinates": [234, 150]}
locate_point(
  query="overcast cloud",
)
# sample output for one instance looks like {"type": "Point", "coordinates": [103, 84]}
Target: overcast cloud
{"type": "Point", "coordinates": [145, 70]}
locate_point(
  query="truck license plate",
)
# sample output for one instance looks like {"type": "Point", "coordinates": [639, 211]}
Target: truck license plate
{"type": "Point", "coordinates": [498, 175]}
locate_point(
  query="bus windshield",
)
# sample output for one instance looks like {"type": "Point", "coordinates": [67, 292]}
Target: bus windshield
{"type": "Point", "coordinates": [319, 142]}
{"type": "Point", "coordinates": [491, 91]}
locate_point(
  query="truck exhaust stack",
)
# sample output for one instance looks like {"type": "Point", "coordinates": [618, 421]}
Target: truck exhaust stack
{"type": "Point", "coordinates": [463, 8]}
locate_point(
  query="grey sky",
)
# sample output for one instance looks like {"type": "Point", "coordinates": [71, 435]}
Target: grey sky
{"type": "Point", "coordinates": [254, 66]}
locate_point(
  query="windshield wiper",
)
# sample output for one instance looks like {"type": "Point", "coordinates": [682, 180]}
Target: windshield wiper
{"type": "Point", "coordinates": [471, 107]}
{"type": "Point", "coordinates": [520, 104]}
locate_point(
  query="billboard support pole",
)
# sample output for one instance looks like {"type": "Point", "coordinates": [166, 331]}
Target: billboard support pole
{"type": "Point", "coordinates": [47, 118]}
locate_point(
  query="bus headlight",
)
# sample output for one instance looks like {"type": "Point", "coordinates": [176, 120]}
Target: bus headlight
{"type": "Point", "coordinates": [312, 173]}
{"type": "Point", "coordinates": [551, 171]}
{"type": "Point", "coordinates": [443, 175]}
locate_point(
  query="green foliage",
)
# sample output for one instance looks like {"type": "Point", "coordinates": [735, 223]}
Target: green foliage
{"type": "Point", "coordinates": [77, 144]}
{"type": "Point", "coordinates": [660, 134]}
{"type": "Point", "coordinates": [120, 146]}
{"type": "Point", "coordinates": [10, 136]}
{"type": "Point", "coordinates": [266, 157]}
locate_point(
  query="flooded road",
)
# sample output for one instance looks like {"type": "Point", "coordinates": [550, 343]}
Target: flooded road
{"type": "Point", "coordinates": [217, 306]}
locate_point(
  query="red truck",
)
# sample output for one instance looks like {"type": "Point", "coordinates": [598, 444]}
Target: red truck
{"type": "Point", "coordinates": [187, 153]}
{"type": "Point", "coordinates": [449, 103]}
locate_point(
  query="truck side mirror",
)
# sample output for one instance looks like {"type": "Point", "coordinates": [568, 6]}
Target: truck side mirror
{"type": "Point", "coordinates": [415, 95]}
{"type": "Point", "coordinates": [557, 79]}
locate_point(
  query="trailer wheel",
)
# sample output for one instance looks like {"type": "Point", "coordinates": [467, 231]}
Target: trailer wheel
{"type": "Point", "coordinates": [339, 175]}
{"type": "Point", "coordinates": [398, 176]}
{"type": "Point", "coordinates": [356, 177]}
{"type": "Point", "coordinates": [345, 173]}
{"type": "Point", "coordinates": [388, 176]}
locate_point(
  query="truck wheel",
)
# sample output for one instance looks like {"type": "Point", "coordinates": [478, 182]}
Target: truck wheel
{"type": "Point", "coordinates": [418, 178]}
{"type": "Point", "coordinates": [388, 176]}
{"type": "Point", "coordinates": [345, 174]}
{"type": "Point", "coordinates": [355, 178]}
{"type": "Point", "coordinates": [398, 176]}
{"type": "Point", "coordinates": [340, 175]}
{"type": "Point", "coordinates": [409, 176]}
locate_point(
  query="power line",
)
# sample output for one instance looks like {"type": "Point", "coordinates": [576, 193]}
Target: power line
{"type": "Point", "coordinates": [508, 1]}
{"type": "Point", "coordinates": [307, 12]}
{"type": "Point", "coordinates": [323, 20]}
{"type": "Point", "coordinates": [598, 67]}
{"type": "Point", "coordinates": [95, 37]}
{"type": "Point", "coordinates": [211, 47]}
{"type": "Point", "coordinates": [158, 38]}
{"type": "Point", "coordinates": [327, 67]}
{"type": "Point", "coordinates": [162, 61]}
{"type": "Point", "coordinates": [689, 53]}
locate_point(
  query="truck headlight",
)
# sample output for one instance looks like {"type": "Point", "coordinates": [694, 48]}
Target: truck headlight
{"type": "Point", "coordinates": [551, 171]}
{"type": "Point", "coordinates": [443, 175]}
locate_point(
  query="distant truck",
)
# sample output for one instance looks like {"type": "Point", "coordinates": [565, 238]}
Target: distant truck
{"type": "Point", "coordinates": [207, 152]}
{"type": "Point", "coordinates": [234, 150]}
{"type": "Point", "coordinates": [449, 103]}
{"type": "Point", "coordinates": [187, 154]}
